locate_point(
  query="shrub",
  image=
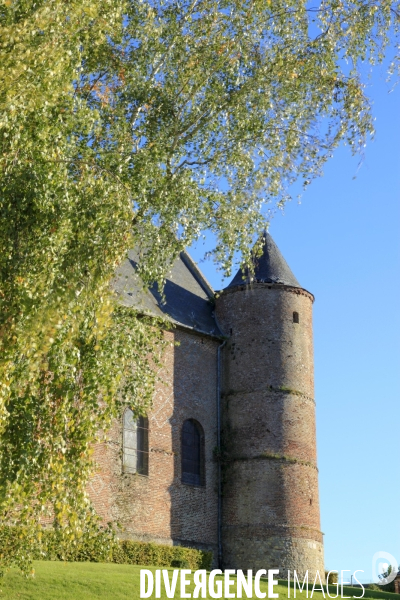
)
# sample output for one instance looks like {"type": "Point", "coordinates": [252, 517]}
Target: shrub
{"type": "Point", "coordinates": [333, 577]}
{"type": "Point", "coordinates": [142, 553]}
{"type": "Point", "coordinates": [180, 564]}
{"type": "Point", "coordinates": [102, 547]}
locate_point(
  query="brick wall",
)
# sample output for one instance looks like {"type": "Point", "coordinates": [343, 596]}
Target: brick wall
{"type": "Point", "coordinates": [270, 478]}
{"type": "Point", "coordinates": [158, 507]}
{"type": "Point", "coordinates": [270, 492]}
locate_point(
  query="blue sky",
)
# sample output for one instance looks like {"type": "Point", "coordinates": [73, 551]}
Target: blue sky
{"type": "Point", "coordinates": [342, 243]}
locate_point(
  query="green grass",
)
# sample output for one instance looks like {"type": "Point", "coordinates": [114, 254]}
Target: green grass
{"type": "Point", "coordinates": [98, 581]}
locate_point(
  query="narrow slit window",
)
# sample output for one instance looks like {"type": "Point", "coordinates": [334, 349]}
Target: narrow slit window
{"type": "Point", "coordinates": [135, 443]}
{"type": "Point", "coordinates": [193, 467]}
{"type": "Point", "coordinates": [296, 317]}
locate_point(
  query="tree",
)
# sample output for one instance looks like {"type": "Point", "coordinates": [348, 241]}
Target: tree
{"type": "Point", "coordinates": [142, 123]}
{"type": "Point", "coordinates": [387, 578]}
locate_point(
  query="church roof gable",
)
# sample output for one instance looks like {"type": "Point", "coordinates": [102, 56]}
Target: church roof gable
{"type": "Point", "coordinates": [188, 297]}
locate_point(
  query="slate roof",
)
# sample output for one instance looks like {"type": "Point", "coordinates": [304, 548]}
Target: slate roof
{"type": "Point", "coordinates": [270, 267]}
{"type": "Point", "coordinates": [188, 295]}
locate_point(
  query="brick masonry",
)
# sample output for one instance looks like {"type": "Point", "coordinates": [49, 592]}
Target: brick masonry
{"type": "Point", "coordinates": [158, 507]}
{"type": "Point", "coordinates": [270, 508]}
{"type": "Point", "coordinates": [270, 491]}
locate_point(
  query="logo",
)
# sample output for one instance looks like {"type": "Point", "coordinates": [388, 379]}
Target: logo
{"type": "Point", "coordinates": [384, 568]}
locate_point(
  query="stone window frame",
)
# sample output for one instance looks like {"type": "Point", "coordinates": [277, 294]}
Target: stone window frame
{"type": "Point", "coordinates": [135, 443]}
{"type": "Point", "coordinates": [197, 476]}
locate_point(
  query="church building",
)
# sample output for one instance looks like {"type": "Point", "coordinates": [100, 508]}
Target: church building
{"type": "Point", "coordinates": [226, 458]}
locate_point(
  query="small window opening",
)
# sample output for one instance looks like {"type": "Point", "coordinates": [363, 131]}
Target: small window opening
{"type": "Point", "coordinates": [310, 501]}
{"type": "Point", "coordinates": [296, 317]}
{"type": "Point", "coordinates": [135, 443]}
{"type": "Point", "coordinates": [230, 330]}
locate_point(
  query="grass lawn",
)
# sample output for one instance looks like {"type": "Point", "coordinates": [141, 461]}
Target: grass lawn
{"type": "Point", "coordinates": [99, 581]}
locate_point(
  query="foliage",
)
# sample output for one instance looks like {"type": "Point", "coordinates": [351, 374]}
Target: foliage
{"type": "Point", "coordinates": [333, 577]}
{"type": "Point", "coordinates": [141, 123]}
{"type": "Point", "coordinates": [141, 553]}
{"type": "Point", "coordinates": [83, 381]}
{"type": "Point", "coordinates": [47, 544]}
{"type": "Point", "coordinates": [180, 564]}
{"type": "Point", "coordinates": [101, 546]}
{"type": "Point", "coordinates": [373, 587]}
{"type": "Point", "coordinates": [387, 587]}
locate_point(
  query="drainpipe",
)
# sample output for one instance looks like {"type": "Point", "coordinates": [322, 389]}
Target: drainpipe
{"type": "Point", "coordinates": [219, 523]}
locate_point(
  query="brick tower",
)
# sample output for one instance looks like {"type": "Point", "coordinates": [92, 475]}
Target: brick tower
{"type": "Point", "coordinates": [270, 510]}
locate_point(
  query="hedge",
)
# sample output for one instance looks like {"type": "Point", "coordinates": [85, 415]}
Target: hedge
{"type": "Point", "coordinates": [142, 553]}
{"type": "Point", "coordinates": [101, 548]}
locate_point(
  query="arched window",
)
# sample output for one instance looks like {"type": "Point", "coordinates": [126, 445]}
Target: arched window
{"type": "Point", "coordinates": [135, 443]}
{"type": "Point", "coordinates": [193, 471]}
{"type": "Point", "coordinates": [296, 317]}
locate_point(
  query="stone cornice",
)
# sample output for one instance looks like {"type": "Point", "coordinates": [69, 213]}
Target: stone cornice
{"type": "Point", "coordinates": [258, 284]}
{"type": "Point", "coordinates": [283, 458]}
{"type": "Point", "coordinates": [269, 389]}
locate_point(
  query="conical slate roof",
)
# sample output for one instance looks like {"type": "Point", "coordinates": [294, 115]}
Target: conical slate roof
{"type": "Point", "coordinates": [270, 267]}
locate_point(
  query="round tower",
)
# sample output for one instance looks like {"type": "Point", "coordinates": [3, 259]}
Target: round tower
{"type": "Point", "coordinates": [270, 511]}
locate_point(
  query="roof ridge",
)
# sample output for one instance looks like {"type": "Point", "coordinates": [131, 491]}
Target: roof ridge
{"type": "Point", "coordinates": [194, 269]}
